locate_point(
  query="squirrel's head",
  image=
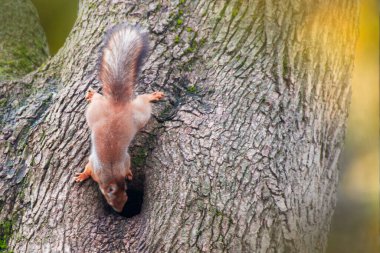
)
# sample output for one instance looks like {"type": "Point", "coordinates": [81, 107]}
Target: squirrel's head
{"type": "Point", "coordinates": [115, 194]}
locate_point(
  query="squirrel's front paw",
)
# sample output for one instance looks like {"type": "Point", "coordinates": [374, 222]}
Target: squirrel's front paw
{"type": "Point", "coordinates": [89, 94]}
{"type": "Point", "coordinates": [80, 177]}
{"type": "Point", "coordinates": [155, 96]}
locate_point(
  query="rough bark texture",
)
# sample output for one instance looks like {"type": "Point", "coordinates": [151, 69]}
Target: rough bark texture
{"type": "Point", "coordinates": [241, 157]}
{"type": "Point", "coordinates": [23, 45]}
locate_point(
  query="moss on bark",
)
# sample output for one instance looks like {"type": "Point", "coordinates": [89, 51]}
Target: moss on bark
{"type": "Point", "coordinates": [22, 39]}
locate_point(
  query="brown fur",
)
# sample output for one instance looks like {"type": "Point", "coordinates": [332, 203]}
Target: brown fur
{"type": "Point", "coordinates": [114, 118]}
{"type": "Point", "coordinates": [113, 127]}
{"type": "Point", "coordinates": [124, 48]}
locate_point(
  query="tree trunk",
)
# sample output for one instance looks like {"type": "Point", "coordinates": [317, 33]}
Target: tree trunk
{"type": "Point", "coordinates": [240, 157]}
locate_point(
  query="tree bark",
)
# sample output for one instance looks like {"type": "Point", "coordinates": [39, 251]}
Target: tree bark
{"type": "Point", "coordinates": [241, 156]}
{"type": "Point", "coordinates": [22, 40]}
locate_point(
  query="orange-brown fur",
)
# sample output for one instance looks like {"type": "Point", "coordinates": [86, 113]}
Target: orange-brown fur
{"type": "Point", "coordinates": [113, 127]}
{"type": "Point", "coordinates": [115, 118]}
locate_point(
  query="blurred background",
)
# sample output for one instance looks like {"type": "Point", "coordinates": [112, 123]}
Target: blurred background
{"type": "Point", "coordinates": [355, 225]}
{"type": "Point", "coordinates": [57, 18]}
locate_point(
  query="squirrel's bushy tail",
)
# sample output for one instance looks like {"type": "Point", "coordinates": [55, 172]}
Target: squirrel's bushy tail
{"type": "Point", "coordinates": [121, 57]}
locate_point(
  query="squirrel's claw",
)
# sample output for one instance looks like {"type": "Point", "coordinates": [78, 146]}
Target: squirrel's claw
{"type": "Point", "coordinates": [80, 177]}
{"type": "Point", "coordinates": [155, 96]}
{"type": "Point", "coordinates": [89, 94]}
{"type": "Point", "coordinates": [130, 175]}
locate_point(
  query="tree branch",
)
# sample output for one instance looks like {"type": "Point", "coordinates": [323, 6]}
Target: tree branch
{"type": "Point", "coordinates": [22, 39]}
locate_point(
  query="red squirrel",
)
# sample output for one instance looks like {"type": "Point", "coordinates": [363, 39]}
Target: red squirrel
{"type": "Point", "coordinates": [115, 117]}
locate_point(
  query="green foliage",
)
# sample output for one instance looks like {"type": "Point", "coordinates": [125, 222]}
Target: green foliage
{"type": "Point", "coordinates": [179, 21]}
{"type": "Point", "coordinates": [5, 234]}
{"type": "Point", "coordinates": [192, 89]}
{"type": "Point", "coordinates": [236, 8]}
{"type": "Point", "coordinates": [202, 42]}
{"type": "Point", "coordinates": [176, 39]}
{"type": "Point", "coordinates": [190, 49]}
{"type": "Point", "coordinates": [178, 17]}
{"type": "Point", "coordinates": [3, 102]}
{"type": "Point", "coordinates": [194, 45]}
